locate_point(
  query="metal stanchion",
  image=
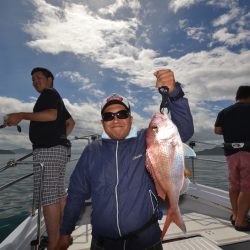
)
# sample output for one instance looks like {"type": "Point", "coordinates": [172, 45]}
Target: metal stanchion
{"type": "Point", "coordinates": [192, 145]}
{"type": "Point", "coordinates": [36, 243]}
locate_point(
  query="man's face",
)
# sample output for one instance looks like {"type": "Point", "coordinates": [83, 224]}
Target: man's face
{"type": "Point", "coordinates": [117, 129]}
{"type": "Point", "coordinates": [40, 81]}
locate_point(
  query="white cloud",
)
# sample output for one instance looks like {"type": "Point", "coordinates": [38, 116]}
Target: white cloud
{"type": "Point", "coordinates": [176, 5]}
{"type": "Point", "coordinates": [183, 23]}
{"type": "Point", "coordinates": [228, 17]}
{"type": "Point", "coordinates": [76, 29]}
{"type": "Point", "coordinates": [9, 136]}
{"type": "Point", "coordinates": [233, 26]}
{"type": "Point", "coordinates": [75, 77]}
{"type": "Point", "coordinates": [232, 39]}
{"type": "Point", "coordinates": [12, 105]}
{"type": "Point", "coordinates": [196, 33]}
{"type": "Point", "coordinates": [207, 76]}
{"type": "Point", "coordinates": [134, 5]}
{"type": "Point", "coordinates": [222, 4]}
{"type": "Point", "coordinates": [110, 43]}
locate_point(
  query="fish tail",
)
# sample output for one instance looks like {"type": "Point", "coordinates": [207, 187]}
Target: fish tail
{"type": "Point", "coordinates": [177, 219]}
{"type": "Point", "coordinates": [166, 226]}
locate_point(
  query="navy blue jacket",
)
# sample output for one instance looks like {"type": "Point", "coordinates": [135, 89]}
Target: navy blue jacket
{"type": "Point", "coordinates": [113, 174]}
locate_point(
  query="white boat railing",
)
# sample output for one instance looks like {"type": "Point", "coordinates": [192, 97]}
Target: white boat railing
{"type": "Point", "coordinates": [12, 163]}
{"type": "Point", "coordinates": [36, 210]}
{"type": "Point", "coordinates": [209, 163]}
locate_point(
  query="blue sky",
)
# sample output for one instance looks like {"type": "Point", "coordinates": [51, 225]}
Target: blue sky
{"type": "Point", "coordinates": [98, 47]}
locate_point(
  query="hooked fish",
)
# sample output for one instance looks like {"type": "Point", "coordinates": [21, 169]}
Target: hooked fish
{"type": "Point", "coordinates": [165, 163]}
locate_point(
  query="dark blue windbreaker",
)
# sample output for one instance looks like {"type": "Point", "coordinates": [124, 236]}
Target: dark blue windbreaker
{"type": "Point", "coordinates": [113, 174]}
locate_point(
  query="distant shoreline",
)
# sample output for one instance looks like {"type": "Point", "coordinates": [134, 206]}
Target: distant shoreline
{"type": "Point", "coordinates": [212, 151]}
{"type": "Point", "coordinates": [15, 151]}
{"type": "Point", "coordinates": [6, 152]}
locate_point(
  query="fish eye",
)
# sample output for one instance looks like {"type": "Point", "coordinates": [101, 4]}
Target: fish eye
{"type": "Point", "coordinates": [155, 129]}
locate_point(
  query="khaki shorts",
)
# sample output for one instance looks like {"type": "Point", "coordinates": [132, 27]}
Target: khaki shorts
{"type": "Point", "coordinates": [54, 160]}
{"type": "Point", "coordinates": [239, 171]}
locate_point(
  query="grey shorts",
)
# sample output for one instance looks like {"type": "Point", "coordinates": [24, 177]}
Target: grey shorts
{"type": "Point", "coordinates": [54, 160]}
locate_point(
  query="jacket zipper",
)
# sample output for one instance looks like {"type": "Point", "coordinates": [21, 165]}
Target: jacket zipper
{"type": "Point", "coordinates": [116, 189]}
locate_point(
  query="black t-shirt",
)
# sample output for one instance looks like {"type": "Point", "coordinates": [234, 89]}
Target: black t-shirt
{"type": "Point", "coordinates": [52, 133]}
{"type": "Point", "coordinates": [235, 123]}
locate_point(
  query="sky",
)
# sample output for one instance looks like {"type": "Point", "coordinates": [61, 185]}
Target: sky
{"type": "Point", "coordinates": [98, 47]}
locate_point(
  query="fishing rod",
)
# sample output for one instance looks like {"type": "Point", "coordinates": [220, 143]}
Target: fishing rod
{"type": "Point", "coordinates": [92, 137]}
{"type": "Point", "coordinates": [15, 181]}
{"type": "Point", "coordinates": [19, 129]}
{"type": "Point", "coordinates": [13, 163]}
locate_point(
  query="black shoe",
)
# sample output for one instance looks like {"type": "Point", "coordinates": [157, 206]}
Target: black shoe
{"type": "Point", "coordinates": [233, 221]}
{"type": "Point", "coordinates": [243, 229]}
{"type": "Point", "coordinates": [43, 243]}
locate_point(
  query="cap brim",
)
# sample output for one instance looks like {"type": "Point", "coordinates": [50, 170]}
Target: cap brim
{"type": "Point", "coordinates": [114, 102]}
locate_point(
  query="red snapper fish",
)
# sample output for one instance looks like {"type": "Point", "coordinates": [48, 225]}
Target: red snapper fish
{"type": "Point", "coordinates": [165, 163]}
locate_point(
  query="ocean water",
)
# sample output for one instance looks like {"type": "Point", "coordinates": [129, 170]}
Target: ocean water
{"type": "Point", "coordinates": [16, 200]}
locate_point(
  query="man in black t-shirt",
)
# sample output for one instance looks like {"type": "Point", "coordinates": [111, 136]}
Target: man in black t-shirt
{"type": "Point", "coordinates": [233, 123]}
{"type": "Point", "coordinates": [50, 124]}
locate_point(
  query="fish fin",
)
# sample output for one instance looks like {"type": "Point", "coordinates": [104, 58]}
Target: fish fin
{"type": "Point", "coordinates": [150, 169]}
{"type": "Point", "coordinates": [166, 226]}
{"type": "Point", "coordinates": [188, 151]}
{"type": "Point", "coordinates": [172, 154]}
{"type": "Point", "coordinates": [187, 172]}
{"type": "Point", "coordinates": [177, 219]}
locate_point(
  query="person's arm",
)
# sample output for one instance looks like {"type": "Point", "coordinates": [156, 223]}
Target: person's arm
{"type": "Point", "coordinates": [178, 105]}
{"type": "Point", "coordinates": [218, 130]}
{"type": "Point", "coordinates": [218, 125]}
{"type": "Point", "coordinates": [42, 116]}
{"type": "Point", "coordinates": [70, 123]}
{"type": "Point", "coordinates": [47, 112]}
{"type": "Point", "coordinates": [78, 192]}
{"type": "Point", "coordinates": [64, 242]}
{"type": "Point", "coordinates": [181, 114]}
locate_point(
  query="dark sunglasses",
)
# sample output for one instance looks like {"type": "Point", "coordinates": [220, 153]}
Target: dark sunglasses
{"type": "Point", "coordinates": [109, 116]}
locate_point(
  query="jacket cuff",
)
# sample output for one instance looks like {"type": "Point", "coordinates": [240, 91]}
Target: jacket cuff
{"type": "Point", "coordinates": [177, 94]}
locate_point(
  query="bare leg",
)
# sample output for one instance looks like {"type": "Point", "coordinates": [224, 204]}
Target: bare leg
{"type": "Point", "coordinates": [243, 208]}
{"type": "Point", "coordinates": [234, 195]}
{"type": "Point", "coordinates": [62, 203]}
{"type": "Point", "coordinates": [52, 221]}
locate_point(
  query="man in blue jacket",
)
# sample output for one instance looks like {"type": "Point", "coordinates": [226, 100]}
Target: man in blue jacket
{"type": "Point", "coordinates": [112, 172]}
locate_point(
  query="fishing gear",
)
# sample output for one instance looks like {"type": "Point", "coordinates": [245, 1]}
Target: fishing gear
{"type": "Point", "coordinates": [164, 91]}
{"type": "Point", "coordinates": [13, 163]}
{"type": "Point", "coordinates": [19, 129]}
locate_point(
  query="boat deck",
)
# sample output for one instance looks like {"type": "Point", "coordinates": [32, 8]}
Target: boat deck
{"type": "Point", "coordinates": [205, 211]}
{"type": "Point", "coordinates": [207, 226]}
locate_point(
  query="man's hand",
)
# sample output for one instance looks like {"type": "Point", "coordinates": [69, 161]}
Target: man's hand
{"type": "Point", "coordinates": [165, 77]}
{"type": "Point", "coordinates": [13, 119]}
{"type": "Point", "coordinates": [64, 242]}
